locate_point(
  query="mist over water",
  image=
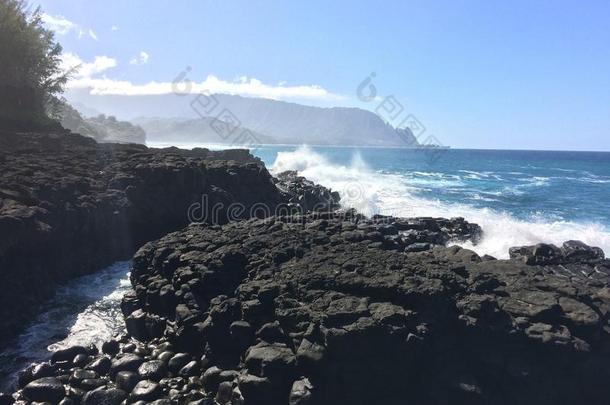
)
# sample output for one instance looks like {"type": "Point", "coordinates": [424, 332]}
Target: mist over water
{"type": "Point", "coordinates": [518, 198]}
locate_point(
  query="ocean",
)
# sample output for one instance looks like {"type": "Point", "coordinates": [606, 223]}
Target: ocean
{"type": "Point", "coordinates": [518, 197]}
{"type": "Point", "coordinates": [86, 310]}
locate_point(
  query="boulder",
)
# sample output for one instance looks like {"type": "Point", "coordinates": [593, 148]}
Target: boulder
{"type": "Point", "coordinates": [152, 370]}
{"type": "Point", "coordinates": [126, 380]}
{"type": "Point", "coordinates": [305, 194]}
{"type": "Point", "coordinates": [301, 392]}
{"type": "Point", "coordinates": [546, 254]}
{"type": "Point", "coordinates": [110, 347]}
{"type": "Point", "coordinates": [104, 396]}
{"type": "Point", "coordinates": [101, 365]}
{"type": "Point", "coordinates": [46, 389]}
{"type": "Point", "coordinates": [178, 361]}
{"type": "Point", "coordinates": [127, 362]}
{"type": "Point", "coordinates": [146, 390]}
{"type": "Point", "coordinates": [270, 360]}
{"type": "Point", "coordinates": [68, 354]}
{"type": "Point", "coordinates": [541, 254]}
{"type": "Point", "coordinates": [575, 250]}
{"type": "Point", "coordinates": [34, 372]}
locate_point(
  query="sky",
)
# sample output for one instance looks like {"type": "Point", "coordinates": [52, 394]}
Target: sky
{"type": "Point", "coordinates": [475, 74]}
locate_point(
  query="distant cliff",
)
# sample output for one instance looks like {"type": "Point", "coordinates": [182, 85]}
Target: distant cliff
{"type": "Point", "coordinates": [295, 123]}
{"type": "Point", "coordinates": [286, 123]}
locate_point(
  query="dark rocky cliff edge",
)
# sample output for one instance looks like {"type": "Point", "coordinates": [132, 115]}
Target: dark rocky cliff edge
{"type": "Point", "coordinates": [334, 308]}
{"type": "Point", "coordinates": [338, 309]}
{"type": "Point", "coordinates": [329, 307]}
{"type": "Point", "coordinates": [69, 206]}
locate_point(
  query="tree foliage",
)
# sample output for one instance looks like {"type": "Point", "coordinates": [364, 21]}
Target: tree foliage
{"type": "Point", "coordinates": [31, 77]}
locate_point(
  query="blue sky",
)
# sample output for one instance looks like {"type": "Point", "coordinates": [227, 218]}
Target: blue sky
{"type": "Point", "coordinates": [478, 74]}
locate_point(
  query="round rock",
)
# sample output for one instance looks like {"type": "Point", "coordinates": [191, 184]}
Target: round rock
{"type": "Point", "coordinates": [68, 354]}
{"type": "Point", "coordinates": [146, 390]}
{"type": "Point", "coordinates": [178, 361]}
{"type": "Point", "coordinates": [100, 365]}
{"type": "Point", "coordinates": [152, 370]}
{"type": "Point", "coordinates": [129, 362]}
{"type": "Point", "coordinates": [190, 369]}
{"type": "Point", "coordinates": [46, 389]}
{"type": "Point", "coordinates": [104, 396]}
{"type": "Point", "coordinates": [126, 380]}
{"type": "Point", "coordinates": [110, 347]}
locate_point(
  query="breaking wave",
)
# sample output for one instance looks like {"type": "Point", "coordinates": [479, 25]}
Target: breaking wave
{"type": "Point", "coordinates": [372, 192]}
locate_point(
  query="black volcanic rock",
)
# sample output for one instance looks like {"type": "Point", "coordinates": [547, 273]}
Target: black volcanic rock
{"type": "Point", "coordinates": [146, 390]}
{"type": "Point", "coordinates": [305, 194]}
{"type": "Point", "coordinates": [69, 206]}
{"type": "Point", "coordinates": [355, 317]}
{"type": "Point", "coordinates": [47, 389]}
{"type": "Point", "coordinates": [152, 370]}
{"type": "Point", "coordinates": [104, 396]}
{"type": "Point", "coordinates": [332, 307]}
{"type": "Point", "coordinates": [571, 252]}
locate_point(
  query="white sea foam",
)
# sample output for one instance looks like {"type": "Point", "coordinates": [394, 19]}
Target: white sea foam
{"type": "Point", "coordinates": [84, 311]}
{"type": "Point", "coordinates": [477, 196]}
{"type": "Point", "coordinates": [598, 181]}
{"type": "Point", "coordinates": [393, 194]}
{"type": "Point", "coordinates": [469, 174]}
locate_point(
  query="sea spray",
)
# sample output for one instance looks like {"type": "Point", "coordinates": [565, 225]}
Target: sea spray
{"type": "Point", "coordinates": [377, 192]}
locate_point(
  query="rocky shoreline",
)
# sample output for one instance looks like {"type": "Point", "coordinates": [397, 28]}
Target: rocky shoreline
{"type": "Point", "coordinates": [324, 306]}
{"type": "Point", "coordinates": [70, 206]}
{"type": "Point", "coordinates": [332, 307]}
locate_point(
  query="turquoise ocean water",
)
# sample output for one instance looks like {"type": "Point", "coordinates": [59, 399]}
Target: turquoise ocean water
{"type": "Point", "coordinates": [518, 197]}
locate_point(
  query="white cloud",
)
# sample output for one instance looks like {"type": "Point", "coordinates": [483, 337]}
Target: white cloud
{"type": "Point", "coordinates": [83, 70]}
{"type": "Point", "coordinates": [250, 87]}
{"type": "Point", "coordinates": [88, 77]}
{"type": "Point", "coordinates": [141, 59]}
{"type": "Point", "coordinates": [60, 24]}
{"type": "Point", "coordinates": [114, 28]}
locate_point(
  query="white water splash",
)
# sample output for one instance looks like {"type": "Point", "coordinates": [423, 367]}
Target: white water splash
{"type": "Point", "coordinates": [393, 194]}
{"type": "Point", "coordinates": [85, 311]}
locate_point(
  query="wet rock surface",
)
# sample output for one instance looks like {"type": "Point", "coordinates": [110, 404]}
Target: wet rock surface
{"type": "Point", "coordinates": [69, 206]}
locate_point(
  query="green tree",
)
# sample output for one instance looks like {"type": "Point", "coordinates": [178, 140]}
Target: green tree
{"type": "Point", "coordinates": [31, 78]}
